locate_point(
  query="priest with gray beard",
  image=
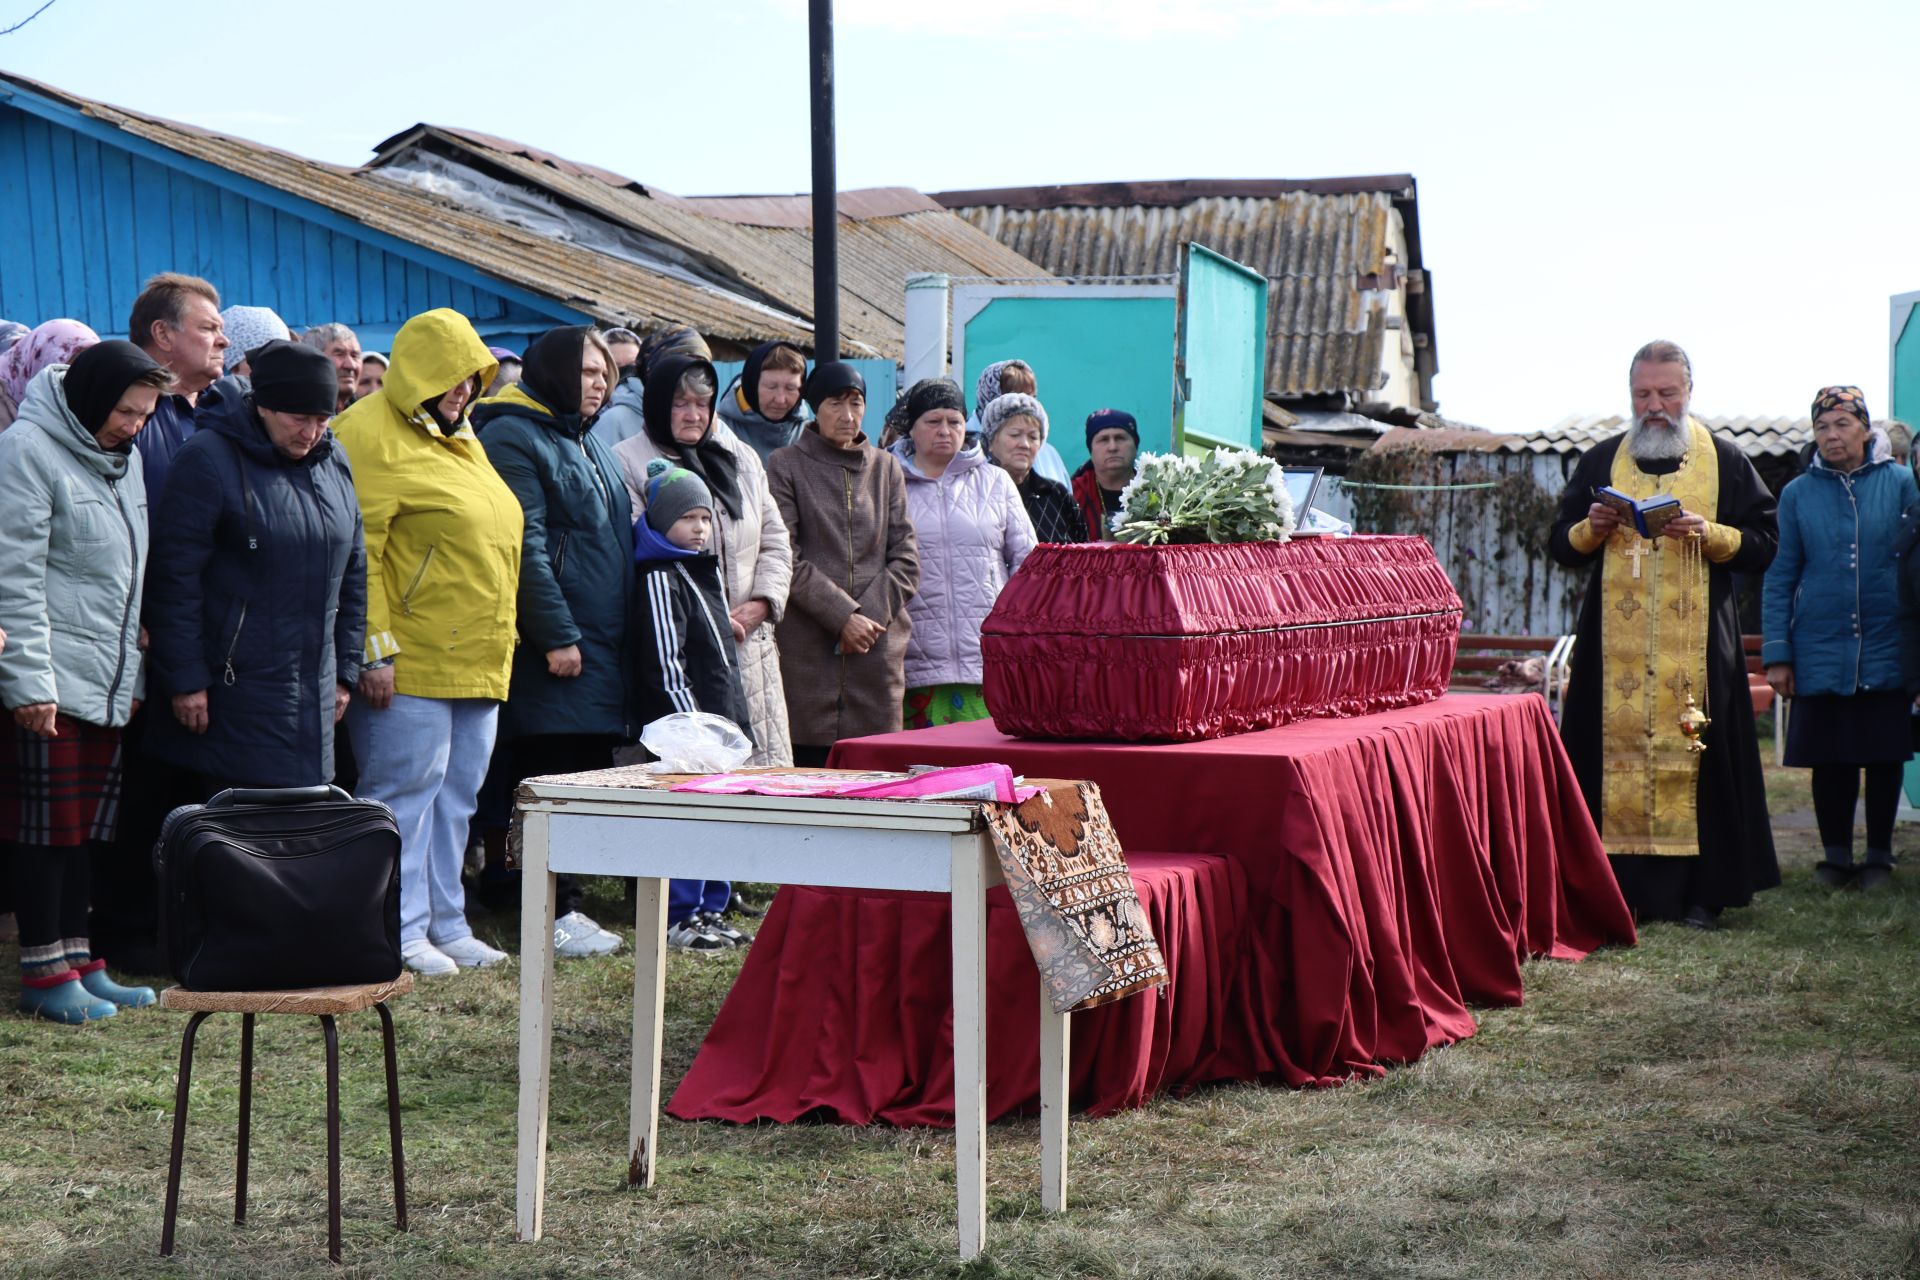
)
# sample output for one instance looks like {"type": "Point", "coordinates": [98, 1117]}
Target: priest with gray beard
{"type": "Point", "coordinates": [1682, 810]}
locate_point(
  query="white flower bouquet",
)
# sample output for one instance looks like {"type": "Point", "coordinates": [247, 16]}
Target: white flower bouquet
{"type": "Point", "coordinates": [1230, 495]}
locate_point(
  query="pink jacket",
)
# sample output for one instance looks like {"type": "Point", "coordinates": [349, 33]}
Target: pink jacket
{"type": "Point", "coordinates": [974, 532]}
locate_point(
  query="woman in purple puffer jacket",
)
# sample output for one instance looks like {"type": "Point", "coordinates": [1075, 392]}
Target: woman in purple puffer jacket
{"type": "Point", "coordinates": [974, 532]}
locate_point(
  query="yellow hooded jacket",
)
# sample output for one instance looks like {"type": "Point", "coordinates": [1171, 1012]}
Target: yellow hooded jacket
{"type": "Point", "coordinates": [442, 529]}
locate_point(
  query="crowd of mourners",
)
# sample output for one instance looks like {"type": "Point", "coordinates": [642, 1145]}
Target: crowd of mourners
{"type": "Point", "coordinates": [237, 557]}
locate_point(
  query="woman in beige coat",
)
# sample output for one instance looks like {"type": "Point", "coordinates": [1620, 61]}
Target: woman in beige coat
{"type": "Point", "coordinates": [754, 554]}
{"type": "Point", "coordinates": [855, 565]}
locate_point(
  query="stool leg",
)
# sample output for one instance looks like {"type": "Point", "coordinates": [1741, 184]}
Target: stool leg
{"type": "Point", "coordinates": [333, 1136]}
{"type": "Point", "coordinates": [179, 1132]}
{"type": "Point", "coordinates": [246, 1120]}
{"type": "Point", "coordinates": [393, 1121]}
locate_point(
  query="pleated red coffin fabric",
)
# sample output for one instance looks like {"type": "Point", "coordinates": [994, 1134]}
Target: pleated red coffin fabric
{"type": "Point", "coordinates": [1113, 642]}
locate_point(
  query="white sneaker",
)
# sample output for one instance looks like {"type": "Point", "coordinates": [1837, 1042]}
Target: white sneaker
{"type": "Point", "coordinates": [471, 953]}
{"type": "Point", "coordinates": [426, 959]}
{"type": "Point", "coordinates": [574, 934]}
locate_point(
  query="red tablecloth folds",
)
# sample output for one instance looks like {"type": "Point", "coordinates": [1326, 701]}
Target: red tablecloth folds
{"type": "Point", "coordinates": [1336, 893]}
{"type": "Point", "coordinates": [1108, 641]}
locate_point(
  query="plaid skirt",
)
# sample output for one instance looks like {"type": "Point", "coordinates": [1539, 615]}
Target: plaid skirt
{"type": "Point", "coordinates": [58, 793]}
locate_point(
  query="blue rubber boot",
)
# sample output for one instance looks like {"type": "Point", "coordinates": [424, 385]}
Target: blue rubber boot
{"type": "Point", "coordinates": [93, 976]}
{"type": "Point", "coordinates": [63, 1000]}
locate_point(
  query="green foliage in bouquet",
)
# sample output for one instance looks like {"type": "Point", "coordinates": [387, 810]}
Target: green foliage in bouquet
{"type": "Point", "coordinates": [1230, 495]}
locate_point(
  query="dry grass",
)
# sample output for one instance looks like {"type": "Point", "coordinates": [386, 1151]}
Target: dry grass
{"type": "Point", "coordinates": [1742, 1104]}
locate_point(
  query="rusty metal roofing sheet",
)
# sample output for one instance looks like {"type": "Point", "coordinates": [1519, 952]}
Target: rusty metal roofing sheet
{"type": "Point", "coordinates": [1325, 257]}
{"type": "Point", "coordinates": [607, 289]}
{"type": "Point", "coordinates": [886, 234]}
{"type": "Point", "coordinates": [1108, 195]}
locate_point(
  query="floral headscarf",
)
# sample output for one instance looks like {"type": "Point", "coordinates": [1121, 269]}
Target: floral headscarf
{"type": "Point", "coordinates": [55, 342]}
{"type": "Point", "coordinates": [1848, 398]}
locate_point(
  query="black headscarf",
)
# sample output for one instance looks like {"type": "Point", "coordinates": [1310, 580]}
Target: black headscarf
{"type": "Point", "coordinates": [550, 371]}
{"type": "Point", "coordinates": [711, 460]}
{"type": "Point", "coordinates": [666, 342]}
{"type": "Point", "coordinates": [829, 380]}
{"type": "Point", "coordinates": [750, 375]}
{"type": "Point", "coordinates": [99, 376]}
{"type": "Point", "coordinates": [929, 394]}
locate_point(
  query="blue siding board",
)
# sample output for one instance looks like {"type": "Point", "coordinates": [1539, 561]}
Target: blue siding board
{"type": "Point", "coordinates": [90, 196]}
{"type": "Point", "coordinates": [184, 253]}
{"type": "Point", "coordinates": [439, 289]}
{"type": "Point", "coordinates": [290, 268]}
{"type": "Point", "coordinates": [261, 259]}
{"type": "Point", "coordinates": [417, 289]}
{"type": "Point", "coordinates": [343, 263]}
{"type": "Point", "coordinates": [72, 249]}
{"type": "Point", "coordinates": [206, 234]}
{"type": "Point", "coordinates": [235, 266]}
{"type": "Point", "coordinates": [18, 298]}
{"type": "Point", "coordinates": [317, 249]}
{"type": "Point", "coordinates": [43, 209]}
{"type": "Point", "coordinates": [123, 278]}
{"type": "Point", "coordinates": [463, 299]}
{"type": "Point", "coordinates": [373, 282]}
{"type": "Point", "coordinates": [397, 288]}
{"type": "Point", "coordinates": [152, 220]}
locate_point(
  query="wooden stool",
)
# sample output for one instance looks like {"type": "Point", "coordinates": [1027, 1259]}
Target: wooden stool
{"type": "Point", "coordinates": [320, 1002]}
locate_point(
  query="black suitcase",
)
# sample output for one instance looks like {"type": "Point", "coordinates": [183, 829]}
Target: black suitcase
{"type": "Point", "coordinates": [265, 890]}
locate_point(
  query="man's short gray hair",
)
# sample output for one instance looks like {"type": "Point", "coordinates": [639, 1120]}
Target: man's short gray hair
{"type": "Point", "coordinates": [322, 336]}
{"type": "Point", "coordinates": [1660, 351]}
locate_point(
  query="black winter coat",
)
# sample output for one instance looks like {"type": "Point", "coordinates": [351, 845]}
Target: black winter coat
{"type": "Point", "coordinates": [687, 658]}
{"type": "Point", "coordinates": [576, 569]}
{"type": "Point", "coordinates": [256, 592]}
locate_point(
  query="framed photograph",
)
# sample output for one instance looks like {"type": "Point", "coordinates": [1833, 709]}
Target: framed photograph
{"type": "Point", "coordinates": [1302, 484]}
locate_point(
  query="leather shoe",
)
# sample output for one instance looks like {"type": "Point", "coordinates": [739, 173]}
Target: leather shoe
{"type": "Point", "coordinates": [1705, 919]}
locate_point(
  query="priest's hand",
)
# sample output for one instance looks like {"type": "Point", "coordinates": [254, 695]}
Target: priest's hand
{"type": "Point", "coordinates": [1686, 525]}
{"type": "Point", "coordinates": [1780, 678]}
{"type": "Point", "coordinates": [1603, 519]}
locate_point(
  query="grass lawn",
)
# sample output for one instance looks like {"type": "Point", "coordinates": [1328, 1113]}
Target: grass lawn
{"type": "Point", "coordinates": [1740, 1104]}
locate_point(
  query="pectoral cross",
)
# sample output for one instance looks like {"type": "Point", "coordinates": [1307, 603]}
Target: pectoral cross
{"type": "Point", "coordinates": [1639, 548]}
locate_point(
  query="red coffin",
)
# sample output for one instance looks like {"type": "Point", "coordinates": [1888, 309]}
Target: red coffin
{"type": "Point", "coordinates": [1179, 643]}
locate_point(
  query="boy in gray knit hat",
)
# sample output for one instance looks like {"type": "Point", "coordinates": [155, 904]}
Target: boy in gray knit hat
{"type": "Point", "coordinates": [683, 639]}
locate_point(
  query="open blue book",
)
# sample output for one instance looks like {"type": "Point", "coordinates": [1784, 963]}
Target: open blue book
{"type": "Point", "coordinates": [1649, 516]}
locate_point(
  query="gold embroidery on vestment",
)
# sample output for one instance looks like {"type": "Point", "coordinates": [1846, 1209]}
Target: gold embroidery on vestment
{"type": "Point", "coordinates": [1655, 622]}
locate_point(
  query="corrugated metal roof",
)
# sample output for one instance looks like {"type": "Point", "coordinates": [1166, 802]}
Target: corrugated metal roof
{"type": "Point", "coordinates": [1322, 244]}
{"type": "Point", "coordinates": [1757, 437]}
{"type": "Point", "coordinates": [763, 244]}
{"type": "Point", "coordinates": [607, 289]}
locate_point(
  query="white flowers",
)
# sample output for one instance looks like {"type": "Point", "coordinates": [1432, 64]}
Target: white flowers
{"type": "Point", "coordinates": [1229, 495]}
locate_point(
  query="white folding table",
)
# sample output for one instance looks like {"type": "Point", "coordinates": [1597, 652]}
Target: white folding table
{"type": "Point", "coordinates": [654, 835]}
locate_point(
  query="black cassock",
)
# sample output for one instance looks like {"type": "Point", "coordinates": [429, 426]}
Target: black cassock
{"type": "Point", "coordinates": [1736, 856]}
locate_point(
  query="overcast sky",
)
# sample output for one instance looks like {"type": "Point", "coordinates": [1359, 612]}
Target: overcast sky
{"type": "Point", "coordinates": [1739, 177]}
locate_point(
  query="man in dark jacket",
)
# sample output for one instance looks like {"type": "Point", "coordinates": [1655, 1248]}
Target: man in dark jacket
{"type": "Point", "coordinates": [256, 589]}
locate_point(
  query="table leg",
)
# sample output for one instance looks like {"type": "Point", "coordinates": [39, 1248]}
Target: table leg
{"type": "Point", "coordinates": [536, 1023]}
{"type": "Point", "coordinates": [969, 1039]}
{"type": "Point", "coordinates": [1056, 1048]}
{"type": "Point", "coordinates": [649, 1019]}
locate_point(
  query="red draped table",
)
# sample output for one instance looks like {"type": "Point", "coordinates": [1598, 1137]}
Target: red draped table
{"type": "Point", "coordinates": [1331, 896]}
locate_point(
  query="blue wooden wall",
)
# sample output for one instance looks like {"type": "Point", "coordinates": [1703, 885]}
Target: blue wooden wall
{"type": "Point", "coordinates": [83, 223]}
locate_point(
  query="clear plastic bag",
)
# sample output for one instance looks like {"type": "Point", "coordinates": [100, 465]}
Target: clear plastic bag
{"type": "Point", "coordinates": [695, 742]}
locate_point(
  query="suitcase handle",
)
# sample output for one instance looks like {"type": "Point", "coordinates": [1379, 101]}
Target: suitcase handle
{"type": "Point", "coordinates": [277, 795]}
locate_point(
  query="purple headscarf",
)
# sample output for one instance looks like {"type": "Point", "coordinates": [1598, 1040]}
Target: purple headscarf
{"type": "Point", "coordinates": [55, 342]}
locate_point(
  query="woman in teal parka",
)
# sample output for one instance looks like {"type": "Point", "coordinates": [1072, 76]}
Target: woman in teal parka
{"type": "Point", "coordinates": [1833, 638]}
{"type": "Point", "coordinates": [571, 676]}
